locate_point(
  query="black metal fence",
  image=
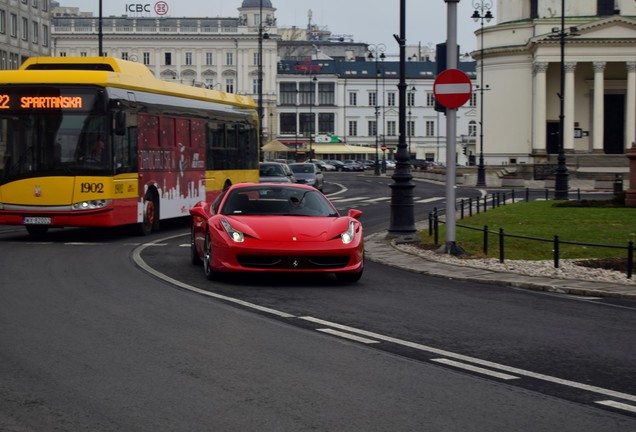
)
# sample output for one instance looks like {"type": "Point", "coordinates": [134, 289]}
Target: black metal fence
{"type": "Point", "coordinates": [472, 206]}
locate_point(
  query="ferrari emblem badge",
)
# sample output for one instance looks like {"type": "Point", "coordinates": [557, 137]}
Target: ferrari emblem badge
{"type": "Point", "coordinates": [295, 264]}
{"type": "Point", "coordinates": [37, 191]}
{"type": "Point", "coordinates": [294, 238]}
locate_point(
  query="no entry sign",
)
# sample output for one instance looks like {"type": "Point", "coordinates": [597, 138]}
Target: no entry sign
{"type": "Point", "coordinates": [452, 88]}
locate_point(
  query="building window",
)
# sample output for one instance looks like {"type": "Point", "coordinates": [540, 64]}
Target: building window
{"type": "Point", "coordinates": [472, 128]}
{"type": "Point", "coordinates": [14, 25]}
{"type": "Point", "coordinates": [353, 128]}
{"type": "Point", "coordinates": [353, 98]}
{"type": "Point", "coordinates": [229, 58]}
{"type": "Point", "coordinates": [45, 5]}
{"type": "Point", "coordinates": [124, 55]}
{"type": "Point", "coordinates": [25, 29]}
{"type": "Point", "coordinates": [473, 100]}
{"type": "Point", "coordinates": [390, 99]}
{"type": "Point", "coordinates": [45, 35]}
{"type": "Point", "coordinates": [288, 93]}
{"type": "Point", "coordinates": [430, 128]}
{"type": "Point", "coordinates": [326, 123]}
{"type": "Point", "coordinates": [288, 124]}
{"type": "Point", "coordinates": [36, 32]}
{"type": "Point", "coordinates": [209, 58]}
{"type": "Point", "coordinates": [257, 58]}
{"type": "Point", "coordinates": [34, 3]}
{"type": "Point", "coordinates": [83, 54]}
{"type": "Point", "coordinates": [391, 128]}
{"type": "Point", "coordinates": [373, 99]}
{"type": "Point", "coordinates": [62, 53]}
{"type": "Point", "coordinates": [307, 124]}
{"type": "Point", "coordinates": [307, 93]}
{"type": "Point", "coordinates": [410, 128]}
{"type": "Point", "coordinates": [146, 57]}
{"type": "Point", "coordinates": [255, 85]}
{"type": "Point", "coordinates": [229, 85]}
{"type": "Point", "coordinates": [605, 7]}
{"type": "Point", "coordinates": [326, 93]}
{"type": "Point", "coordinates": [168, 59]}
{"type": "Point", "coordinates": [3, 21]}
{"type": "Point", "coordinates": [373, 128]}
{"type": "Point", "coordinates": [430, 99]}
{"type": "Point", "coordinates": [410, 99]}
{"type": "Point", "coordinates": [188, 59]}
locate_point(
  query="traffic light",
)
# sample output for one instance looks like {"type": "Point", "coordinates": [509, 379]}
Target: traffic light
{"type": "Point", "coordinates": [440, 66]}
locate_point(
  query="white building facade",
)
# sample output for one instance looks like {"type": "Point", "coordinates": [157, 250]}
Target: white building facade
{"type": "Point", "coordinates": [24, 31]}
{"type": "Point", "coordinates": [522, 68]}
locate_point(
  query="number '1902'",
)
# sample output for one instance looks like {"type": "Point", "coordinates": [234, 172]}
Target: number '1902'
{"type": "Point", "coordinates": [92, 187]}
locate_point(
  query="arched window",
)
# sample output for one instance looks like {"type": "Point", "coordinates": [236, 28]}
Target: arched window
{"type": "Point", "coordinates": [472, 128]}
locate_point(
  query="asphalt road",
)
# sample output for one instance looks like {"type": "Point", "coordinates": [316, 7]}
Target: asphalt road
{"type": "Point", "coordinates": [89, 340]}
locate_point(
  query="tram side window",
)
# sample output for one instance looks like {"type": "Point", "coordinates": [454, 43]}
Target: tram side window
{"type": "Point", "coordinates": [216, 155]}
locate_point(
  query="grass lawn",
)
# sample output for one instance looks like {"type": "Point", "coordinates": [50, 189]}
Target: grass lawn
{"type": "Point", "coordinates": [614, 226]}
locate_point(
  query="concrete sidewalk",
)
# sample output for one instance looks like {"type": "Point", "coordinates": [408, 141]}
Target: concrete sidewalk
{"type": "Point", "coordinates": [385, 251]}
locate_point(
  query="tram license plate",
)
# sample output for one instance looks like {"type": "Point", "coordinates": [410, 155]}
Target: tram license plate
{"type": "Point", "coordinates": [36, 220]}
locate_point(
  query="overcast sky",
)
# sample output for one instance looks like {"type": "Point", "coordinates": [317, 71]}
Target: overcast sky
{"type": "Point", "coordinates": [370, 21]}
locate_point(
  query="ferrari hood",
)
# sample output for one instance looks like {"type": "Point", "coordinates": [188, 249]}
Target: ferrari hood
{"type": "Point", "coordinates": [290, 228]}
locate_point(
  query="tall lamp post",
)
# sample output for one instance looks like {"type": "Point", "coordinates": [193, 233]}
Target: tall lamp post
{"type": "Point", "coordinates": [482, 13]}
{"type": "Point", "coordinates": [376, 52]}
{"type": "Point", "coordinates": [561, 174]}
{"type": "Point", "coordinates": [312, 126]}
{"type": "Point", "coordinates": [261, 35]}
{"type": "Point", "coordinates": [411, 126]}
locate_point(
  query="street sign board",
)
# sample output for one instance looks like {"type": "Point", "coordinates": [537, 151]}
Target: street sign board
{"type": "Point", "coordinates": [452, 88]}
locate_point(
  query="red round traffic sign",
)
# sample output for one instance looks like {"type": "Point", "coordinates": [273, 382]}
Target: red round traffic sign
{"type": "Point", "coordinates": [383, 147]}
{"type": "Point", "coordinates": [452, 88]}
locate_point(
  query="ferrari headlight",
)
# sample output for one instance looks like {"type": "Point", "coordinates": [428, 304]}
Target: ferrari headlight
{"type": "Point", "coordinates": [235, 235]}
{"type": "Point", "coordinates": [348, 236]}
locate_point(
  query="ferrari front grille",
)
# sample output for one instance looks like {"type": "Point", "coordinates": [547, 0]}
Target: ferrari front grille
{"type": "Point", "coordinates": [290, 262]}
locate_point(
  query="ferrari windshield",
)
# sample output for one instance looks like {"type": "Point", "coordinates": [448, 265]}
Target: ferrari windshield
{"type": "Point", "coordinates": [277, 200]}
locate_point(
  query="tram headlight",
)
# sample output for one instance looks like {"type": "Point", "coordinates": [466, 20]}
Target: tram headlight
{"type": "Point", "coordinates": [90, 205]}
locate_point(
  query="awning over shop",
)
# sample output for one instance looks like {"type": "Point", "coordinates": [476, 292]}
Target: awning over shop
{"type": "Point", "coordinates": [322, 148]}
{"type": "Point", "coordinates": [275, 146]}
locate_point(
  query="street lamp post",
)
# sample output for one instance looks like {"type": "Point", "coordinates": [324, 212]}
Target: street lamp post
{"type": "Point", "coordinates": [482, 12]}
{"type": "Point", "coordinates": [411, 126]}
{"type": "Point", "coordinates": [312, 126]}
{"type": "Point", "coordinates": [376, 52]}
{"type": "Point", "coordinates": [261, 35]}
{"type": "Point", "coordinates": [561, 174]}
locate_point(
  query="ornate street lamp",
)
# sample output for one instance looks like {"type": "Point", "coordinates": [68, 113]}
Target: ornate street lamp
{"type": "Point", "coordinates": [312, 126]}
{"type": "Point", "coordinates": [376, 52]}
{"type": "Point", "coordinates": [482, 13]}
{"type": "Point", "coordinates": [561, 174]}
{"type": "Point", "coordinates": [261, 35]}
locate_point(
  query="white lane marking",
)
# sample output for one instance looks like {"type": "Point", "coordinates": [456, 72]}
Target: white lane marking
{"type": "Point", "coordinates": [379, 199]}
{"type": "Point", "coordinates": [427, 200]}
{"type": "Point", "coordinates": [347, 336]}
{"type": "Point", "coordinates": [81, 244]}
{"type": "Point", "coordinates": [618, 405]}
{"type": "Point", "coordinates": [475, 369]}
{"type": "Point", "coordinates": [338, 200]}
{"type": "Point", "coordinates": [141, 263]}
{"type": "Point", "coordinates": [477, 361]}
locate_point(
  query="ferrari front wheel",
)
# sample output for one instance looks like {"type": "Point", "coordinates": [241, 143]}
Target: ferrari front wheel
{"type": "Point", "coordinates": [194, 255]}
{"type": "Point", "coordinates": [207, 258]}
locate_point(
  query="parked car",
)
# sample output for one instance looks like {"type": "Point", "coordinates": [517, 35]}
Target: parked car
{"type": "Point", "coordinates": [275, 172]}
{"type": "Point", "coordinates": [336, 163]}
{"type": "Point", "coordinates": [420, 164]}
{"type": "Point", "coordinates": [368, 164]}
{"type": "Point", "coordinates": [324, 166]}
{"type": "Point", "coordinates": [352, 165]}
{"type": "Point", "coordinates": [289, 228]}
{"type": "Point", "coordinates": [308, 173]}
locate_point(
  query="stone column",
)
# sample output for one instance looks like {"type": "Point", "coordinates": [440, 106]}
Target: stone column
{"type": "Point", "coordinates": [598, 121]}
{"type": "Point", "coordinates": [539, 107]}
{"type": "Point", "coordinates": [568, 124]}
{"type": "Point", "coordinates": [630, 106]}
{"type": "Point", "coordinates": [630, 193]}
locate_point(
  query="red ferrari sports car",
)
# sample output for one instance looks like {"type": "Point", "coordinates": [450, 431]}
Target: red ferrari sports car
{"type": "Point", "coordinates": [269, 227]}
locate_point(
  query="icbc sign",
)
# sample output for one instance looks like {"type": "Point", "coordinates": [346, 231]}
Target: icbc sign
{"type": "Point", "coordinates": [160, 8]}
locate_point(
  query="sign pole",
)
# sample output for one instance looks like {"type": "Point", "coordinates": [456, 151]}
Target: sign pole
{"type": "Point", "coordinates": [451, 134]}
